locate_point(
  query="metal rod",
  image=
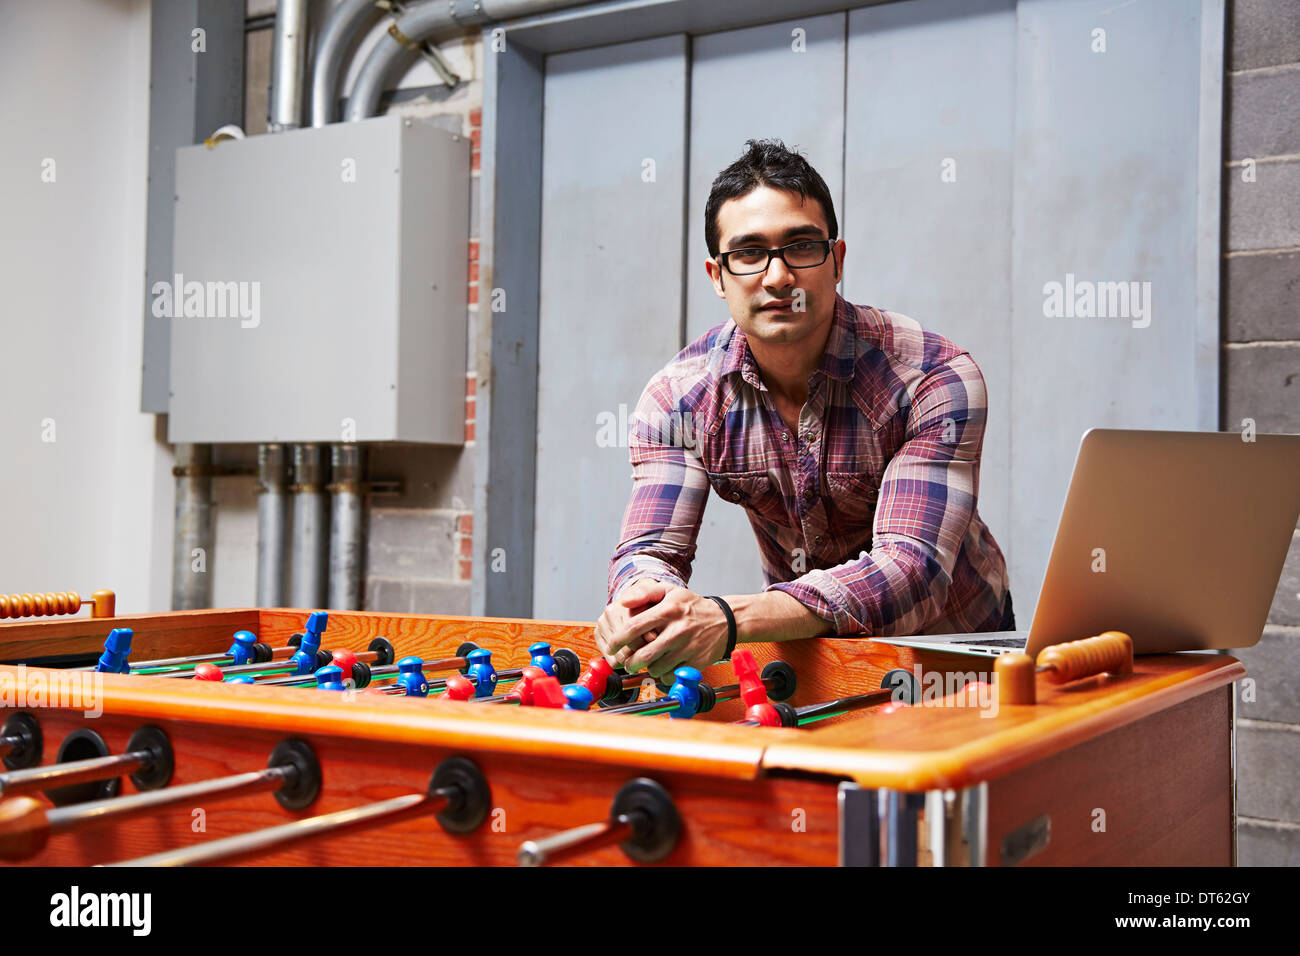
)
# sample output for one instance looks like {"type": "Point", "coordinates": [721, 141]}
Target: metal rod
{"type": "Point", "coordinates": [188, 663]}
{"type": "Point", "coordinates": [136, 668]}
{"type": "Point", "coordinates": [504, 676]}
{"type": "Point", "coordinates": [278, 655]}
{"type": "Point", "coordinates": [292, 680]}
{"type": "Point", "coordinates": [855, 702]}
{"type": "Point", "coordinates": [450, 663]}
{"type": "Point", "coordinates": [644, 706]}
{"type": "Point", "coordinates": [829, 708]}
{"type": "Point", "coordinates": [591, 836]}
{"type": "Point", "coordinates": [275, 837]}
{"type": "Point", "coordinates": [442, 664]}
{"type": "Point", "coordinates": [268, 667]}
{"type": "Point", "coordinates": [82, 815]}
{"type": "Point", "coordinates": [65, 774]}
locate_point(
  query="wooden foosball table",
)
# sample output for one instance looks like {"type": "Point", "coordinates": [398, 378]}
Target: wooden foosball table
{"type": "Point", "coordinates": [1124, 767]}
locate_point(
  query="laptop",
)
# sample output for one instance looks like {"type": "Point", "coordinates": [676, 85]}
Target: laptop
{"type": "Point", "coordinates": [1177, 539]}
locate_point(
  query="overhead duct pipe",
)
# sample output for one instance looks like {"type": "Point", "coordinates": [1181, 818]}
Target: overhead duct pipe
{"type": "Point", "coordinates": [285, 111]}
{"type": "Point", "coordinates": [435, 20]}
{"type": "Point", "coordinates": [288, 65]}
{"type": "Point", "coordinates": [341, 27]}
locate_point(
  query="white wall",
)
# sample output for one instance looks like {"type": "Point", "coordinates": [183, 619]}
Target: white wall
{"type": "Point", "coordinates": [92, 508]}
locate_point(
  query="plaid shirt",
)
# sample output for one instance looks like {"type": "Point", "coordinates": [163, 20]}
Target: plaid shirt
{"type": "Point", "coordinates": [866, 515]}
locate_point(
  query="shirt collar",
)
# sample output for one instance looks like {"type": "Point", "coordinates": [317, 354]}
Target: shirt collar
{"type": "Point", "coordinates": [837, 361]}
{"type": "Point", "coordinates": [841, 353]}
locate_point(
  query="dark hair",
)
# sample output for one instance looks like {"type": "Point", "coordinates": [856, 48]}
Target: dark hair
{"type": "Point", "coordinates": [766, 162]}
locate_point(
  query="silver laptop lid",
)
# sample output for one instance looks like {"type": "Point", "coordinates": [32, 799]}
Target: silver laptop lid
{"type": "Point", "coordinates": [1177, 538]}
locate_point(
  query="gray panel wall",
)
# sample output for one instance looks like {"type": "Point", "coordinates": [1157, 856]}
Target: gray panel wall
{"type": "Point", "coordinates": [929, 133]}
{"type": "Point", "coordinates": [611, 295]}
{"type": "Point", "coordinates": [192, 93]}
{"type": "Point", "coordinates": [1106, 190]}
{"type": "Point", "coordinates": [506, 332]}
{"type": "Point", "coordinates": [802, 103]}
{"type": "Point", "coordinates": [1070, 165]}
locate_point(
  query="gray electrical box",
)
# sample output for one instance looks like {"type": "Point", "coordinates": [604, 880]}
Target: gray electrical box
{"type": "Point", "coordinates": [320, 286]}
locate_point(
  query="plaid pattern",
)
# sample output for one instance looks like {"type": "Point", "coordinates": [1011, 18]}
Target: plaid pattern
{"type": "Point", "coordinates": [867, 516]}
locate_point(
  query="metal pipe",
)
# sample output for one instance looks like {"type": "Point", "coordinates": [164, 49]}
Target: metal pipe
{"type": "Point", "coordinates": [346, 554]}
{"type": "Point", "coordinates": [288, 65]}
{"type": "Point", "coordinates": [29, 825]}
{"type": "Point", "coordinates": [56, 775]}
{"type": "Point", "coordinates": [430, 21]}
{"type": "Point", "coordinates": [567, 843]}
{"type": "Point", "coordinates": [277, 837]}
{"type": "Point", "coordinates": [272, 517]}
{"type": "Point", "coordinates": [192, 540]}
{"type": "Point", "coordinates": [310, 527]}
{"type": "Point", "coordinates": [344, 23]}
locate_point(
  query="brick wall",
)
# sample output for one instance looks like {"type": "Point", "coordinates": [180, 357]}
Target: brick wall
{"type": "Point", "coordinates": [1261, 380]}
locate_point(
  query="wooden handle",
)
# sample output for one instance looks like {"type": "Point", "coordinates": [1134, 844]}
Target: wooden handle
{"type": "Point", "coordinates": [1108, 653]}
{"type": "Point", "coordinates": [1015, 676]}
{"type": "Point", "coordinates": [24, 828]}
{"type": "Point", "coordinates": [103, 604]}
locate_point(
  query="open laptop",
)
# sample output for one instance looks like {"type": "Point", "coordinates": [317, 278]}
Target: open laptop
{"type": "Point", "coordinates": [1192, 530]}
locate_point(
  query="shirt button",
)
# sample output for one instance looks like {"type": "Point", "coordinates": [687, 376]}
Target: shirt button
{"type": "Point", "coordinates": [809, 494]}
{"type": "Point", "coordinates": [735, 496]}
{"type": "Point", "coordinates": [785, 436]}
{"type": "Point", "coordinates": [817, 540]}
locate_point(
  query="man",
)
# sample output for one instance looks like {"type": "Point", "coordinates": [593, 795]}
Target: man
{"type": "Point", "coordinates": [850, 435]}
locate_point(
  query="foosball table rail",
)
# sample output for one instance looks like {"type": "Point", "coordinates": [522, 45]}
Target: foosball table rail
{"type": "Point", "coordinates": [945, 782]}
{"type": "Point", "coordinates": [732, 811]}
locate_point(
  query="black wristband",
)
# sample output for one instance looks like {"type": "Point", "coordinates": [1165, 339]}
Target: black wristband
{"type": "Point", "coordinates": [731, 624]}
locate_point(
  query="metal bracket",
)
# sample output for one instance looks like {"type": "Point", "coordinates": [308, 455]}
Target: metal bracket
{"type": "Point", "coordinates": [385, 488]}
{"type": "Point", "coordinates": [1026, 840]}
{"type": "Point", "coordinates": [901, 815]}
{"type": "Point", "coordinates": [429, 52]}
{"type": "Point", "coordinates": [859, 826]}
{"type": "Point", "coordinates": [957, 826]}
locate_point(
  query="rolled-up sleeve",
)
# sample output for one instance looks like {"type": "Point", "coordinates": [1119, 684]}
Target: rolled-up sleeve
{"type": "Point", "coordinates": [927, 498]}
{"type": "Point", "coordinates": [669, 490]}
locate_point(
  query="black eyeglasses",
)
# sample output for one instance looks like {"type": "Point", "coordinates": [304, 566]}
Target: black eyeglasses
{"type": "Point", "coordinates": [803, 254]}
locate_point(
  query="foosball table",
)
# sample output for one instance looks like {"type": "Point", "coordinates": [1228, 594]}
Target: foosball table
{"type": "Point", "coordinates": [291, 737]}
